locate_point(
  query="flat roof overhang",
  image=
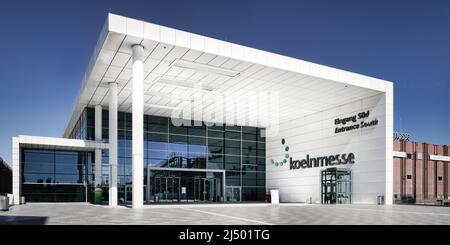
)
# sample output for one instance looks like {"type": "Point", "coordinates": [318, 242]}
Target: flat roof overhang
{"type": "Point", "coordinates": [176, 56]}
{"type": "Point", "coordinates": [52, 143]}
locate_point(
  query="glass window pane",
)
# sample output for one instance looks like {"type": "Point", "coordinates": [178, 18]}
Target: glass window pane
{"type": "Point", "coordinates": [38, 178]}
{"type": "Point", "coordinates": [261, 135]}
{"type": "Point", "coordinates": [157, 154]}
{"type": "Point", "coordinates": [68, 178]}
{"type": "Point", "coordinates": [249, 178]}
{"type": "Point", "coordinates": [249, 167]}
{"type": "Point", "coordinates": [249, 193]}
{"type": "Point", "coordinates": [233, 128]}
{"type": "Point", "coordinates": [232, 147]}
{"type": "Point", "coordinates": [215, 134]}
{"type": "Point", "coordinates": [69, 168]}
{"type": "Point", "coordinates": [34, 157]}
{"type": "Point", "coordinates": [156, 120]}
{"type": "Point", "coordinates": [64, 158]}
{"type": "Point", "coordinates": [232, 162]}
{"type": "Point", "coordinates": [156, 162]}
{"type": "Point", "coordinates": [37, 167]}
{"type": "Point", "coordinates": [216, 146]}
{"type": "Point", "coordinates": [261, 179]}
{"type": "Point", "coordinates": [249, 160]}
{"type": "Point", "coordinates": [248, 148]}
{"type": "Point", "coordinates": [178, 130]}
{"type": "Point", "coordinates": [217, 127]}
{"type": "Point", "coordinates": [216, 161]}
{"type": "Point", "coordinates": [249, 130]}
{"type": "Point", "coordinates": [215, 165]}
{"type": "Point", "coordinates": [156, 141]}
{"type": "Point", "coordinates": [233, 135]}
{"type": "Point", "coordinates": [197, 131]}
{"type": "Point", "coordinates": [157, 128]}
{"type": "Point", "coordinates": [178, 143]}
{"type": "Point", "coordinates": [261, 150]}
{"type": "Point", "coordinates": [250, 137]}
{"type": "Point", "coordinates": [233, 178]}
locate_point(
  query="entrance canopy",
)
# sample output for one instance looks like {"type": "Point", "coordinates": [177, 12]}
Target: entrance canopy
{"type": "Point", "coordinates": [178, 61]}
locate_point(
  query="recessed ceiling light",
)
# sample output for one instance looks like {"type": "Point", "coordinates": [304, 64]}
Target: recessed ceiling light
{"type": "Point", "coordinates": [205, 68]}
{"type": "Point", "coordinates": [165, 95]}
{"type": "Point", "coordinates": [161, 106]}
{"type": "Point", "coordinates": [184, 83]}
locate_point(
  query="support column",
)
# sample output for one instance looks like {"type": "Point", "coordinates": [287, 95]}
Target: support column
{"type": "Point", "coordinates": [138, 126]}
{"type": "Point", "coordinates": [16, 177]}
{"type": "Point", "coordinates": [98, 152]}
{"type": "Point", "coordinates": [113, 144]}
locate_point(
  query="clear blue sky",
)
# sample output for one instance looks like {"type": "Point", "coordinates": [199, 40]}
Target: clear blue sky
{"type": "Point", "coordinates": [46, 45]}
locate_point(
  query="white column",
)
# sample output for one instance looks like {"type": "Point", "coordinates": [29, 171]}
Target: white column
{"type": "Point", "coordinates": [98, 152]}
{"type": "Point", "coordinates": [389, 117]}
{"type": "Point", "coordinates": [112, 144]}
{"type": "Point", "coordinates": [138, 126]}
{"type": "Point", "coordinates": [16, 180]}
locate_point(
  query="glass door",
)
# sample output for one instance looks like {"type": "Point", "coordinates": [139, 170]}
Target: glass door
{"type": "Point", "coordinates": [336, 186]}
{"type": "Point", "coordinates": [198, 190]}
{"type": "Point", "coordinates": [128, 193]}
{"type": "Point", "coordinates": [205, 189]}
{"type": "Point", "coordinates": [167, 189]}
{"type": "Point", "coordinates": [233, 193]}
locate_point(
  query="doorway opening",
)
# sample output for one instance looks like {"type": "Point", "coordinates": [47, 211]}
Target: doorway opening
{"type": "Point", "coordinates": [336, 187]}
{"type": "Point", "coordinates": [205, 189]}
{"type": "Point", "coordinates": [184, 185]}
{"type": "Point", "coordinates": [233, 193]}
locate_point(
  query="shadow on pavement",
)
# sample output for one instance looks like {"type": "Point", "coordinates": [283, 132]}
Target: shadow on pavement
{"type": "Point", "coordinates": [23, 220]}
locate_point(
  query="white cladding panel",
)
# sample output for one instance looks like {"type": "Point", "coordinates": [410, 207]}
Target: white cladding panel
{"type": "Point", "coordinates": [315, 135]}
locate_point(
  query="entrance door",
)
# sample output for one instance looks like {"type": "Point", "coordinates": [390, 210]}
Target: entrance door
{"type": "Point", "coordinates": [205, 189]}
{"type": "Point", "coordinates": [329, 192]}
{"type": "Point", "coordinates": [336, 186]}
{"type": "Point", "coordinates": [233, 193]}
{"type": "Point", "coordinates": [167, 189]}
{"type": "Point", "coordinates": [128, 193]}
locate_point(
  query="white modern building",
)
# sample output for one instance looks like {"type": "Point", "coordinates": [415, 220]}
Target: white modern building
{"type": "Point", "coordinates": [252, 121]}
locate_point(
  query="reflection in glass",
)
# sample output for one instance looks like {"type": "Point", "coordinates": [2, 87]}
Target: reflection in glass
{"type": "Point", "coordinates": [240, 151]}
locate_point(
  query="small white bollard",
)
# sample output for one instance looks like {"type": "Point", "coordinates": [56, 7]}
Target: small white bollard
{"type": "Point", "coordinates": [274, 197]}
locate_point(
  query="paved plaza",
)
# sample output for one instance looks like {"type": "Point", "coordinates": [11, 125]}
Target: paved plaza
{"type": "Point", "coordinates": [226, 214]}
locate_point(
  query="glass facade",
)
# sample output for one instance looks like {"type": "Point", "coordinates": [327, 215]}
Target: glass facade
{"type": "Point", "coordinates": [240, 151]}
{"type": "Point", "coordinates": [56, 176]}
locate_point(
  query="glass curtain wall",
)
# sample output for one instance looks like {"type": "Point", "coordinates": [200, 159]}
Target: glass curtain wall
{"type": "Point", "coordinates": [238, 150]}
{"type": "Point", "coordinates": [56, 176]}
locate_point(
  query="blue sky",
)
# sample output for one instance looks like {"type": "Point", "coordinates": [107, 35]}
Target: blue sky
{"type": "Point", "coordinates": [46, 45]}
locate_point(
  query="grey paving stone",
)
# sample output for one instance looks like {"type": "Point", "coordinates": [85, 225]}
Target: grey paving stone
{"type": "Point", "coordinates": [284, 214]}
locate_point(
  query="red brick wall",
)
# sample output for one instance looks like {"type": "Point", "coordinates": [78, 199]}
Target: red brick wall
{"type": "Point", "coordinates": [424, 184]}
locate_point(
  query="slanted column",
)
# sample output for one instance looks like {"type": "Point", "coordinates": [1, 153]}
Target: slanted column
{"type": "Point", "coordinates": [138, 126]}
{"type": "Point", "coordinates": [98, 152]}
{"type": "Point", "coordinates": [112, 144]}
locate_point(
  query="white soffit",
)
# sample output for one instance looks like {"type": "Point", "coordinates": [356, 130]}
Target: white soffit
{"type": "Point", "coordinates": [170, 54]}
{"type": "Point", "coordinates": [59, 143]}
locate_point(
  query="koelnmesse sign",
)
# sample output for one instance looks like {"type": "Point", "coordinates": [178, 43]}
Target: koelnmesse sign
{"type": "Point", "coordinates": [310, 162]}
{"type": "Point", "coordinates": [314, 162]}
{"type": "Point", "coordinates": [354, 119]}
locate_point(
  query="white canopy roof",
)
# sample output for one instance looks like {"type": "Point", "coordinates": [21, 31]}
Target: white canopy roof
{"type": "Point", "coordinates": [175, 58]}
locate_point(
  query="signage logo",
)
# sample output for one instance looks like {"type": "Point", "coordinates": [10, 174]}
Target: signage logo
{"type": "Point", "coordinates": [313, 162]}
{"type": "Point", "coordinates": [401, 136]}
{"type": "Point", "coordinates": [338, 159]}
{"type": "Point", "coordinates": [286, 155]}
